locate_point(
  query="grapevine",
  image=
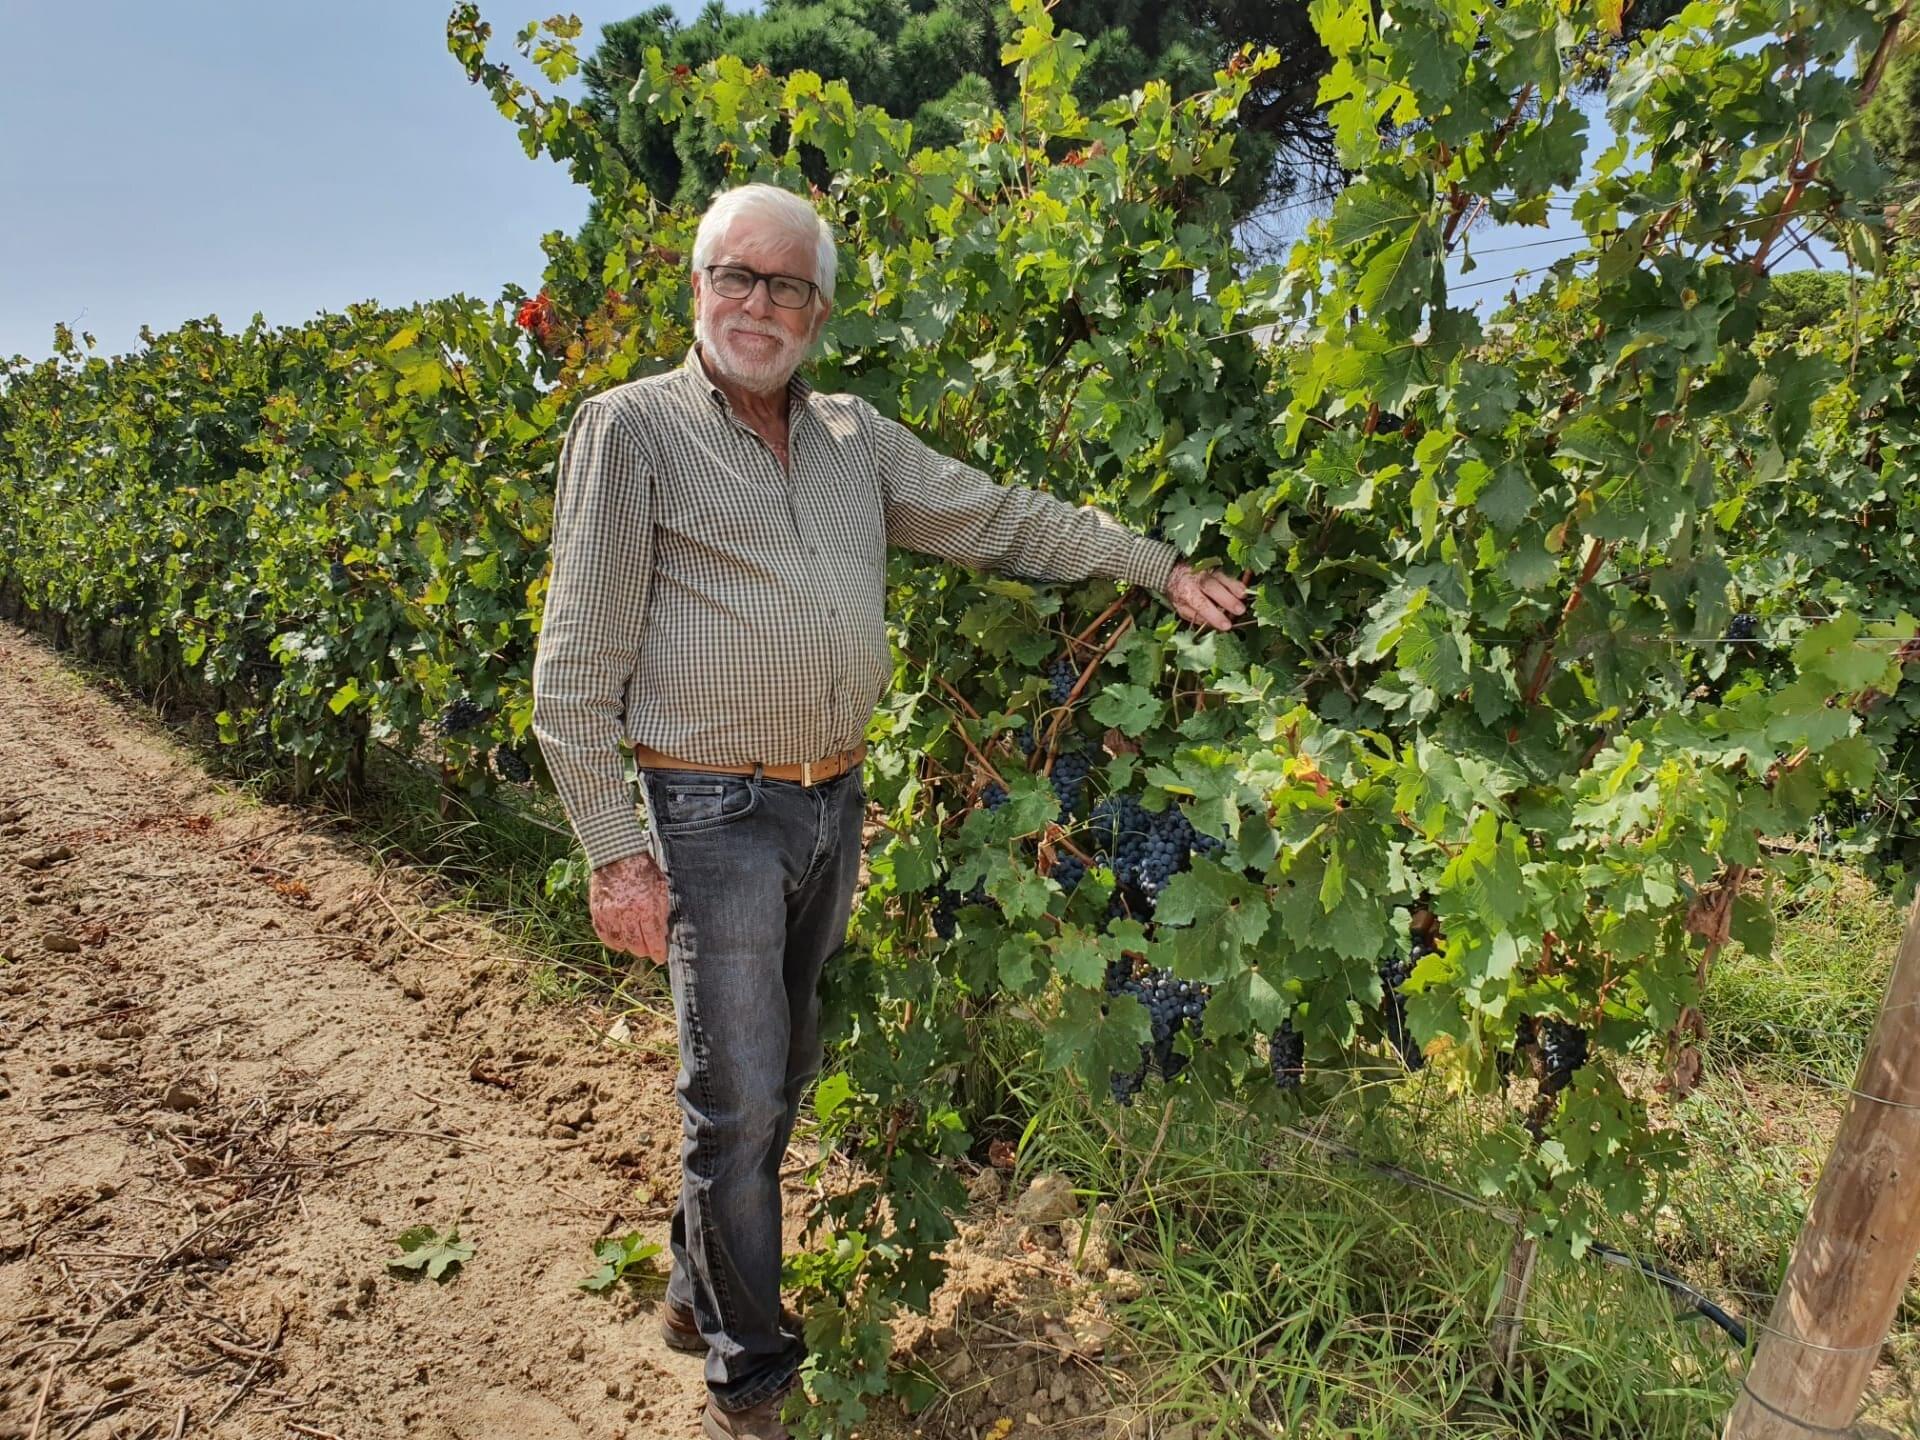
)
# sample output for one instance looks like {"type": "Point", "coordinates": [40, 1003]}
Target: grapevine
{"type": "Point", "coordinates": [1497, 722]}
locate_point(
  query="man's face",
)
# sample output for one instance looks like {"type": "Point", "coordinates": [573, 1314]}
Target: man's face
{"type": "Point", "coordinates": [754, 343]}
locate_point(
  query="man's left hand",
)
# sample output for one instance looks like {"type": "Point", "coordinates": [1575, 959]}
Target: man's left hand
{"type": "Point", "coordinates": [1205, 597]}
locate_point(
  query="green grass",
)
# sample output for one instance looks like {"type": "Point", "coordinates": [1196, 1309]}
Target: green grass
{"type": "Point", "coordinates": [1810, 1006]}
{"type": "Point", "coordinates": [1292, 1292]}
{"type": "Point", "coordinates": [1306, 1294]}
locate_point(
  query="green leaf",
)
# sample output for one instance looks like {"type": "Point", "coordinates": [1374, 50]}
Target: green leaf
{"type": "Point", "coordinates": [1133, 709]}
{"type": "Point", "coordinates": [1836, 653]}
{"type": "Point", "coordinates": [1402, 274]}
{"type": "Point", "coordinates": [833, 1091]}
{"type": "Point", "coordinates": [1227, 915]}
{"type": "Point", "coordinates": [426, 1249]}
{"type": "Point", "coordinates": [618, 1255]}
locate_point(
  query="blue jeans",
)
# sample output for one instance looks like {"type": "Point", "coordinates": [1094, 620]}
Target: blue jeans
{"type": "Point", "coordinates": [761, 875]}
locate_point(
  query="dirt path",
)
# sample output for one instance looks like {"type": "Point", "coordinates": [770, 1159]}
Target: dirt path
{"type": "Point", "coordinates": [237, 1061]}
{"type": "Point", "coordinates": [229, 1077]}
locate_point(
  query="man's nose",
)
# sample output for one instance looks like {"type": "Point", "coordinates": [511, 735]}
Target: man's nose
{"type": "Point", "coordinates": [759, 301]}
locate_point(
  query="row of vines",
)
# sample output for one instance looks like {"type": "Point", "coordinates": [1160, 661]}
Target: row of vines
{"type": "Point", "coordinates": [1559, 620]}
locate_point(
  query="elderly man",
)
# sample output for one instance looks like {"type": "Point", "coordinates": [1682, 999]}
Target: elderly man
{"type": "Point", "coordinates": [717, 599]}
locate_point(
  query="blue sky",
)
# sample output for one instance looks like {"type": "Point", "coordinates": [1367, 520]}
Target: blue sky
{"type": "Point", "coordinates": [166, 159]}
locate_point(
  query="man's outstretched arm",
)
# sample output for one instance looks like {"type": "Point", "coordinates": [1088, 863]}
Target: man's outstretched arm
{"type": "Point", "coordinates": [936, 504]}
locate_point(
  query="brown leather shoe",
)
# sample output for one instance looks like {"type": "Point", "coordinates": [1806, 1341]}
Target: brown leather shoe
{"type": "Point", "coordinates": [757, 1422]}
{"type": "Point", "coordinates": [680, 1331]}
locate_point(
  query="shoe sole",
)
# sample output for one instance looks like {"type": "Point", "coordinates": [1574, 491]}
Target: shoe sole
{"type": "Point", "coordinates": [712, 1430]}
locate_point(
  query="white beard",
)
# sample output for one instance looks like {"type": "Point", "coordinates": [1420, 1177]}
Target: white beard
{"type": "Point", "coordinates": [761, 376]}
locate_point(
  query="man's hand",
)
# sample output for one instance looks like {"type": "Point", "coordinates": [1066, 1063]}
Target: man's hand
{"type": "Point", "coordinates": [629, 902]}
{"type": "Point", "coordinates": [1206, 597]}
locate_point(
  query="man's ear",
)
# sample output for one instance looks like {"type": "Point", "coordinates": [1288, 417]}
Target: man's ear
{"type": "Point", "coordinates": [820, 321]}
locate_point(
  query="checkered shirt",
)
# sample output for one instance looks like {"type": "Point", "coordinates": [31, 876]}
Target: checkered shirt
{"type": "Point", "coordinates": [709, 604]}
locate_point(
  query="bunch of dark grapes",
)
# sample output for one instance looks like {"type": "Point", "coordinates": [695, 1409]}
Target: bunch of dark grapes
{"type": "Point", "coordinates": [1288, 1049]}
{"type": "Point", "coordinates": [1524, 1038]}
{"type": "Point", "coordinates": [1172, 1005]}
{"type": "Point", "coordinates": [1120, 827]}
{"type": "Point", "coordinates": [1743, 627]}
{"type": "Point", "coordinates": [947, 905]}
{"type": "Point", "coordinates": [337, 573]}
{"type": "Point", "coordinates": [1061, 678]}
{"type": "Point", "coordinates": [994, 795]}
{"type": "Point", "coordinates": [258, 652]}
{"type": "Point", "coordinates": [461, 716]}
{"type": "Point", "coordinates": [1145, 850]}
{"type": "Point", "coordinates": [1164, 853]}
{"type": "Point", "coordinates": [1069, 779]}
{"type": "Point", "coordinates": [1025, 739]}
{"type": "Point", "coordinates": [1394, 972]}
{"type": "Point", "coordinates": [1563, 1050]}
{"type": "Point", "coordinates": [1069, 870]}
{"type": "Point", "coordinates": [511, 766]}
{"type": "Point", "coordinates": [1125, 1084]}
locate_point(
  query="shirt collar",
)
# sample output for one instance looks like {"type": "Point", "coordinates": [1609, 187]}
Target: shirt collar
{"type": "Point", "coordinates": [797, 387]}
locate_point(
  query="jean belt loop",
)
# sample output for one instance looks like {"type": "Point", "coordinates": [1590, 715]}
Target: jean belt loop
{"type": "Point", "coordinates": [759, 771]}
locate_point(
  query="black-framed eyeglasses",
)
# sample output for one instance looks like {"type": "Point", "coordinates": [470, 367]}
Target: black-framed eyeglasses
{"type": "Point", "coordinates": [736, 282]}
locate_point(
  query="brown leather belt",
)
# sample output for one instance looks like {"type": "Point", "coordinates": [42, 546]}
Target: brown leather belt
{"type": "Point", "coordinates": [806, 772]}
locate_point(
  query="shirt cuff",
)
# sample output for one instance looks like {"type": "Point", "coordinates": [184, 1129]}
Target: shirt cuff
{"type": "Point", "coordinates": [612, 836]}
{"type": "Point", "coordinates": [1150, 563]}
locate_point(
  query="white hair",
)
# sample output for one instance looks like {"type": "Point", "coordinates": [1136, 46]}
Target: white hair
{"type": "Point", "coordinates": [782, 209]}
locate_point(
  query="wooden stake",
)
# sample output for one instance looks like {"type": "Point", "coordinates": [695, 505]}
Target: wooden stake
{"type": "Point", "coordinates": [1510, 1305]}
{"type": "Point", "coordinates": [1856, 1251]}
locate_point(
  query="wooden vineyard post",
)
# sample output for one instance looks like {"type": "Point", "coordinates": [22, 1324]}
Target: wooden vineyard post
{"type": "Point", "coordinates": [1855, 1253]}
{"type": "Point", "coordinates": [1510, 1305]}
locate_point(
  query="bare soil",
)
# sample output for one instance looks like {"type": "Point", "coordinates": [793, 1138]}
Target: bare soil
{"type": "Point", "coordinates": [237, 1060]}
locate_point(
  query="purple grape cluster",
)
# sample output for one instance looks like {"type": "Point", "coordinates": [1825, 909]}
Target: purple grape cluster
{"type": "Point", "coordinates": [1069, 779]}
{"type": "Point", "coordinates": [948, 903]}
{"type": "Point", "coordinates": [1069, 870]}
{"type": "Point", "coordinates": [1563, 1050]}
{"type": "Point", "coordinates": [1061, 678]}
{"type": "Point", "coordinates": [462, 716]}
{"type": "Point", "coordinates": [994, 795]}
{"type": "Point", "coordinates": [511, 765]}
{"type": "Point", "coordinates": [1287, 1049]}
{"type": "Point", "coordinates": [1395, 970]}
{"type": "Point", "coordinates": [1172, 1005]}
{"type": "Point", "coordinates": [1145, 850]}
{"type": "Point", "coordinates": [1743, 627]}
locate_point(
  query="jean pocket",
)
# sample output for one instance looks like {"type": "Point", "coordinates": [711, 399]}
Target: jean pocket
{"type": "Point", "coordinates": [684, 802]}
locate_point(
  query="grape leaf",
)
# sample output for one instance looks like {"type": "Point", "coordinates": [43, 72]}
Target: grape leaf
{"type": "Point", "coordinates": [426, 1249]}
{"type": "Point", "coordinates": [618, 1255]}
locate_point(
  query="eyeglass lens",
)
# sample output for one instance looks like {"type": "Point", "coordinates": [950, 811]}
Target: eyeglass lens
{"type": "Point", "coordinates": [736, 282]}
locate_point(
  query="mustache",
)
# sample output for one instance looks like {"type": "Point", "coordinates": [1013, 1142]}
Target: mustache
{"type": "Point", "coordinates": [749, 327]}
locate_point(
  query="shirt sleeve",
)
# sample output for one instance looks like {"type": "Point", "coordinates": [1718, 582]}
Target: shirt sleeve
{"type": "Point", "coordinates": [590, 629]}
{"type": "Point", "coordinates": [937, 504]}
